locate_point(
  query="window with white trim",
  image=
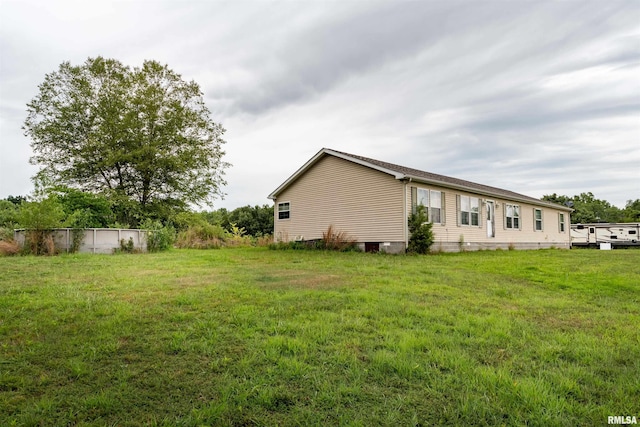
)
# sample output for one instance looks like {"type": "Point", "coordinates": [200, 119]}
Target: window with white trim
{"type": "Point", "coordinates": [537, 219]}
{"type": "Point", "coordinates": [423, 198]}
{"type": "Point", "coordinates": [435, 206]}
{"type": "Point", "coordinates": [512, 216]}
{"type": "Point", "coordinates": [284, 210]}
{"type": "Point", "coordinates": [431, 200]}
{"type": "Point", "coordinates": [469, 211]}
{"type": "Point", "coordinates": [561, 223]}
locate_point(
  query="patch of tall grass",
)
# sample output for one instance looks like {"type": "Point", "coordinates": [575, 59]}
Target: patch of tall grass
{"type": "Point", "coordinates": [209, 236]}
{"type": "Point", "coordinates": [332, 240]}
{"type": "Point", "coordinates": [9, 248]}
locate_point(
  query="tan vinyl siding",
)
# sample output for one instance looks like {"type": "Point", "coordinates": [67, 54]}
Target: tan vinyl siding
{"type": "Point", "coordinates": [451, 231]}
{"type": "Point", "coordinates": [365, 203]}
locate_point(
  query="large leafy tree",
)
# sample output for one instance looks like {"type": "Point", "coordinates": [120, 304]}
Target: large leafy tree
{"type": "Point", "coordinates": [141, 135]}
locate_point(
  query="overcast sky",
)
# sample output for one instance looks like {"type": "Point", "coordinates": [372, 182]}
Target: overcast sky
{"type": "Point", "coordinates": [534, 97]}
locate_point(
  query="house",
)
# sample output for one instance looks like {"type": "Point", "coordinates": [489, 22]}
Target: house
{"type": "Point", "coordinates": [371, 200]}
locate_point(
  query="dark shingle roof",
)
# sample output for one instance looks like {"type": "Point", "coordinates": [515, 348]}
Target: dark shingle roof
{"type": "Point", "coordinates": [405, 173]}
{"type": "Point", "coordinates": [448, 181]}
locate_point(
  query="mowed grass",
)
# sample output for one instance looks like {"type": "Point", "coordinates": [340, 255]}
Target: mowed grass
{"type": "Point", "coordinates": [257, 337]}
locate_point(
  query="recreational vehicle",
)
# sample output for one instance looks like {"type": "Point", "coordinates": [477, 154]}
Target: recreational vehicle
{"type": "Point", "coordinates": [622, 234]}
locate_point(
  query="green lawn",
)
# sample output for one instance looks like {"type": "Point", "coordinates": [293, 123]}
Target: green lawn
{"type": "Point", "coordinates": [257, 337]}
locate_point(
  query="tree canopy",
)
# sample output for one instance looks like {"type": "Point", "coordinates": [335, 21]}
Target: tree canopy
{"type": "Point", "coordinates": [588, 209]}
{"type": "Point", "coordinates": [141, 135]}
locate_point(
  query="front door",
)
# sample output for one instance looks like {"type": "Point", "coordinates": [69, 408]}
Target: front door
{"type": "Point", "coordinates": [491, 223]}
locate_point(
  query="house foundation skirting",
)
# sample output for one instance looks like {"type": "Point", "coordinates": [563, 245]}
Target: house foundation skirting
{"type": "Point", "coordinates": [478, 246]}
{"type": "Point", "coordinates": [385, 247]}
{"type": "Point", "coordinates": [400, 247]}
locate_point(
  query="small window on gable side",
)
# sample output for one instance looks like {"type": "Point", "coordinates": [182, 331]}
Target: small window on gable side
{"type": "Point", "coordinates": [284, 211]}
{"type": "Point", "coordinates": [562, 223]}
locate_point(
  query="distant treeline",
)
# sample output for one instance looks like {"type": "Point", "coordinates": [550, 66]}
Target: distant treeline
{"type": "Point", "coordinates": [67, 207]}
{"type": "Point", "coordinates": [588, 209]}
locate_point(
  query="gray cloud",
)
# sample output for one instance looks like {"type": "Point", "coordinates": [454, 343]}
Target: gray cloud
{"type": "Point", "coordinates": [503, 93]}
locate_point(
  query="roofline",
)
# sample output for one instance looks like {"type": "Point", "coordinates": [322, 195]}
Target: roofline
{"type": "Point", "coordinates": [515, 197]}
{"type": "Point", "coordinates": [396, 175]}
{"type": "Point", "coordinates": [318, 156]}
{"type": "Point", "coordinates": [296, 174]}
{"type": "Point", "coordinates": [402, 176]}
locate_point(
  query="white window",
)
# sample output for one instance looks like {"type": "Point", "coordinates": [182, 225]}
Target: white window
{"type": "Point", "coordinates": [423, 198]}
{"type": "Point", "coordinates": [284, 211]}
{"type": "Point", "coordinates": [431, 200]}
{"type": "Point", "coordinates": [512, 216]}
{"type": "Point", "coordinates": [435, 209]}
{"type": "Point", "coordinates": [537, 219]}
{"type": "Point", "coordinates": [469, 211]}
{"type": "Point", "coordinates": [561, 226]}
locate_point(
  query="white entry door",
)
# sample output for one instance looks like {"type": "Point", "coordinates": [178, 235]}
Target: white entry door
{"type": "Point", "coordinates": [491, 222]}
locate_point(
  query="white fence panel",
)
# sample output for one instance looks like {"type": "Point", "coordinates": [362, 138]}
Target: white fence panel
{"type": "Point", "coordinates": [95, 240]}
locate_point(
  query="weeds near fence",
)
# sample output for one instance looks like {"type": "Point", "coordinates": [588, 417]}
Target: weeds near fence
{"type": "Point", "coordinates": [39, 242]}
{"type": "Point", "coordinates": [77, 237]}
{"type": "Point", "coordinates": [127, 247]}
{"type": "Point", "coordinates": [9, 248]}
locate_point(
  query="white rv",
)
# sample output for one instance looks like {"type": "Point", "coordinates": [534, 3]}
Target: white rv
{"type": "Point", "coordinates": [621, 234]}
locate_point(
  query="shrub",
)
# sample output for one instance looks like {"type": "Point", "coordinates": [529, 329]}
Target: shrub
{"type": "Point", "coordinates": [421, 237]}
{"type": "Point", "coordinates": [6, 234]}
{"type": "Point", "coordinates": [255, 220]}
{"type": "Point", "coordinates": [39, 218]}
{"type": "Point", "coordinates": [159, 237]}
{"type": "Point", "coordinates": [77, 237]}
{"type": "Point", "coordinates": [237, 236]}
{"type": "Point", "coordinates": [43, 215]}
{"type": "Point", "coordinates": [127, 247]}
{"type": "Point", "coordinates": [84, 210]}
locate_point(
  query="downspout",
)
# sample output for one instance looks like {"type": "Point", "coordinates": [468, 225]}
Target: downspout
{"type": "Point", "coordinates": [404, 212]}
